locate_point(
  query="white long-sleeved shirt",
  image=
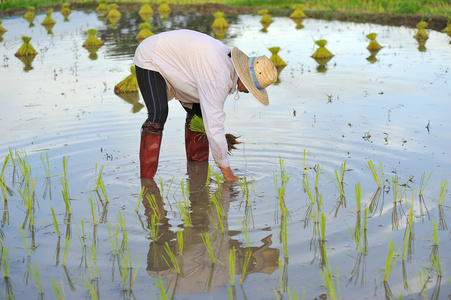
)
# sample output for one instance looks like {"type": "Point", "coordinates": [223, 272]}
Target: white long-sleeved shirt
{"type": "Point", "coordinates": [197, 69]}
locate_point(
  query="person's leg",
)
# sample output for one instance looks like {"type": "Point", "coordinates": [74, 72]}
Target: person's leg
{"type": "Point", "coordinates": [196, 144]}
{"type": "Point", "coordinates": [153, 90]}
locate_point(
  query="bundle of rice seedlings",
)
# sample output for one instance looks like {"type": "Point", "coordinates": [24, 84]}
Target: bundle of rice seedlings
{"type": "Point", "coordinates": [266, 19]}
{"type": "Point", "coordinates": [219, 22]}
{"type": "Point", "coordinates": [197, 125]}
{"type": "Point", "coordinates": [129, 84]}
{"type": "Point", "coordinates": [298, 13]}
{"type": "Point", "coordinates": [374, 45]}
{"type": "Point", "coordinates": [447, 29]}
{"type": "Point", "coordinates": [48, 19]}
{"type": "Point", "coordinates": [275, 58]}
{"type": "Point", "coordinates": [163, 8]}
{"type": "Point", "coordinates": [113, 13]}
{"type": "Point", "coordinates": [29, 15]}
{"type": "Point", "coordinates": [65, 10]}
{"type": "Point", "coordinates": [102, 8]}
{"type": "Point", "coordinates": [2, 30]}
{"type": "Point", "coordinates": [26, 49]}
{"type": "Point", "coordinates": [92, 41]}
{"type": "Point", "coordinates": [322, 52]}
{"type": "Point", "coordinates": [146, 9]}
{"type": "Point", "coordinates": [144, 32]}
{"type": "Point", "coordinates": [421, 34]}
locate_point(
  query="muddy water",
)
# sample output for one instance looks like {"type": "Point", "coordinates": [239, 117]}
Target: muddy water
{"type": "Point", "coordinates": [390, 109]}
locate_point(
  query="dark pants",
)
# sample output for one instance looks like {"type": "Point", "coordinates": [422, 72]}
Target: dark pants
{"type": "Point", "coordinates": [153, 90]}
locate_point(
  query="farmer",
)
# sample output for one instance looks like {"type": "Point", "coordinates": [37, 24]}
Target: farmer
{"type": "Point", "coordinates": [200, 72]}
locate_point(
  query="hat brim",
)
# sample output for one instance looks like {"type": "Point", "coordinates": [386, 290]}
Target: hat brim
{"type": "Point", "coordinates": [241, 63]}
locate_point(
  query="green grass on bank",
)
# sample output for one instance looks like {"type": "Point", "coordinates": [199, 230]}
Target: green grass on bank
{"type": "Point", "coordinates": [422, 7]}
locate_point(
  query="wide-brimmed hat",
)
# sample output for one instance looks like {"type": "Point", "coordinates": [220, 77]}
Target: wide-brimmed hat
{"type": "Point", "coordinates": [256, 73]}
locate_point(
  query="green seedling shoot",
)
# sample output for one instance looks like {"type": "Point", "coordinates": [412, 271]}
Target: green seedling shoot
{"type": "Point", "coordinates": [391, 260]}
{"type": "Point", "coordinates": [375, 175]}
{"type": "Point", "coordinates": [206, 239]}
{"type": "Point", "coordinates": [173, 259]}
{"type": "Point", "coordinates": [180, 240]}
{"type": "Point", "coordinates": [358, 195]}
{"type": "Point", "coordinates": [55, 223]}
{"type": "Point", "coordinates": [231, 265]}
{"type": "Point", "coordinates": [443, 189]}
{"type": "Point", "coordinates": [424, 182]}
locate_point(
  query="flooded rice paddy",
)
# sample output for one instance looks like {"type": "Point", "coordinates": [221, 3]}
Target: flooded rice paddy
{"type": "Point", "coordinates": [75, 223]}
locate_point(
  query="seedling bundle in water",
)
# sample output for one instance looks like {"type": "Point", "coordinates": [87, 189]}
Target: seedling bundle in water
{"type": "Point", "coordinates": [146, 10]}
{"type": "Point", "coordinates": [322, 52]}
{"type": "Point", "coordinates": [92, 41]}
{"type": "Point", "coordinates": [102, 8]}
{"type": "Point", "coordinates": [266, 19]}
{"type": "Point", "coordinates": [2, 30]}
{"type": "Point", "coordinates": [219, 22]}
{"type": "Point", "coordinates": [421, 34]}
{"type": "Point", "coordinates": [144, 32]}
{"type": "Point", "coordinates": [298, 13]}
{"type": "Point", "coordinates": [275, 58]}
{"type": "Point", "coordinates": [65, 11]}
{"type": "Point", "coordinates": [197, 125]}
{"type": "Point", "coordinates": [26, 49]}
{"type": "Point", "coordinates": [29, 15]}
{"type": "Point", "coordinates": [113, 13]}
{"type": "Point", "coordinates": [48, 19]}
{"type": "Point", "coordinates": [374, 45]}
{"type": "Point", "coordinates": [129, 84]}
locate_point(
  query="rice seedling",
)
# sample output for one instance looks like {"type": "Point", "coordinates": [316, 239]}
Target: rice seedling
{"type": "Point", "coordinates": [374, 45]}
{"type": "Point", "coordinates": [175, 264]}
{"type": "Point", "coordinates": [206, 239]}
{"type": "Point", "coordinates": [129, 84]}
{"type": "Point", "coordinates": [46, 165]}
{"type": "Point", "coordinates": [443, 189]}
{"type": "Point", "coordinates": [231, 265]}
{"type": "Point", "coordinates": [247, 259]}
{"type": "Point", "coordinates": [36, 277]}
{"type": "Point", "coordinates": [93, 215]}
{"type": "Point", "coordinates": [144, 33]}
{"type": "Point", "coordinates": [375, 175]}
{"type": "Point", "coordinates": [410, 214]}
{"type": "Point", "coordinates": [26, 49]}
{"type": "Point", "coordinates": [154, 227]}
{"type": "Point", "coordinates": [29, 203]}
{"type": "Point", "coordinates": [66, 250]}
{"type": "Point", "coordinates": [391, 260]}
{"type": "Point", "coordinates": [124, 267]}
{"type": "Point", "coordinates": [435, 237]}
{"type": "Point", "coordinates": [284, 233]}
{"type": "Point", "coordinates": [5, 190]}
{"type": "Point", "coordinates": [247, 191]}
{"type": "Point", "coordinates": [6, 267]}
{"type": "Point", "coordinates": [424, 182]}
{"type": "Point", "coordinates": [421, 34]}
{"type": "Point", "coordinates": [339, 184]}
{"type": "Point", "coordinates": [283, 184]}
{"type": "Point", "coordinates": [30, 14]}
{"type": "Point", "coordinates": [323, 227]}
{"type": "Point", "coordinates": [245, 231]}
{"type": "Point", "coordinates": [25, 241]}
{"type": "Point", "coordinates": [327, 276]}
{"type": "Point", "coordinates": [183, 207]}
{"type": "Point", "coordinates": [48, 18]}
{"type": "Point", "coordinates": [279, 63]}
{"type": "Point", "coordinates": [219, 21]}
{"type": "Point", "coordinates": [436, 266]}
{"type": "Point", "coordinates": [60, 294]}
{"type": "Point", "coordinates": [298, 13]}
{"type": "Point", "coordinates": [180, 240]}
{"type": "Point", "coordinates": [395, 189]}
{"type": "Point", "coordinates": [358, 195]}
{"type": "Point", "coordinates": [266, 19]}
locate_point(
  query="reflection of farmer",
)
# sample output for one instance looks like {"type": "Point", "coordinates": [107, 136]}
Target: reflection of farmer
{"type": "Point", "coordinates": [200, 72]}
{"type": "Point", "coordinates": [199, 275]}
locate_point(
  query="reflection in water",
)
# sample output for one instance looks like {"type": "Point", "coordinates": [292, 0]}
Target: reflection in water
{"type": "Point", "coordinates": [198, 274]}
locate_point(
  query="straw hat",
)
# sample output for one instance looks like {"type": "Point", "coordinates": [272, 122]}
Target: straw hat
{"type": "Point", "coordinates": [256, 73]}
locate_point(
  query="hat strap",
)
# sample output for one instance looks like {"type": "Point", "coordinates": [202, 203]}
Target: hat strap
{"type": "Point", "coordinates": [253, 76]}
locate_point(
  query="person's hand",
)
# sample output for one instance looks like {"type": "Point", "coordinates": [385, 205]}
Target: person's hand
{"type": "Point", "coordinates": [228, 174]}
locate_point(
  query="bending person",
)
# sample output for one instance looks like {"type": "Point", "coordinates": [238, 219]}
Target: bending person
{"type": "Point", "coordinates": [200, 72]}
